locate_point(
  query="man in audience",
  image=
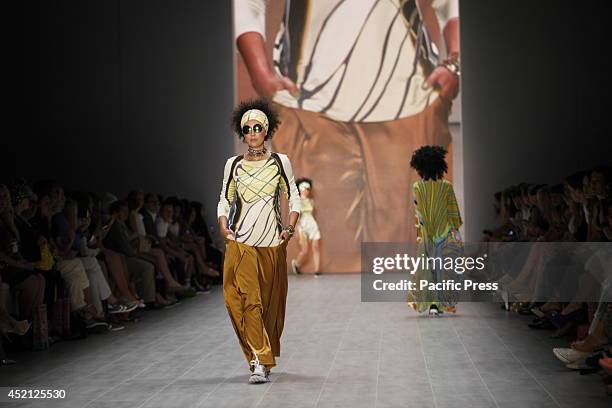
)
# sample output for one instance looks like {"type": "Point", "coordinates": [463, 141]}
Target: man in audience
{"type": "Point", "coordinates": [142, 273]}
{"type": "Point", "coordinates": [149, 213]}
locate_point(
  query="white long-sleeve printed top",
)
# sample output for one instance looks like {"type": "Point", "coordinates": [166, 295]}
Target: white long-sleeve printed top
{"type": "Point", "coordinates": [250, 198]}
{"type": "Point", "coordinates": [352, 60]}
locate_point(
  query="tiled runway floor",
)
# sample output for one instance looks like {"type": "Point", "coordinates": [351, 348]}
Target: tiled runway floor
{"type": "Point", "coordinates": [336, 352]}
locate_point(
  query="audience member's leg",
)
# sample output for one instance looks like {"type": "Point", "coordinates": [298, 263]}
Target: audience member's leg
{"type": "Point", "coordinates": [199, 260]}
{"type": "Point", "coordinates": [158, 258]}
{"type": "Point", "coordinates": [51, 279]}
{"type": "Point", "coordinates": [142, 274]}
{"type": "Point", "coordinates": [32, 294]}
{"type": "Point", "coordinates": [7, 322]}
{"type": "Point", "coordinates": [117, 268]}
{"type": "Point", "coordinates": [75, 281]}
{"type": "Point", "coordinates": [97, 283]}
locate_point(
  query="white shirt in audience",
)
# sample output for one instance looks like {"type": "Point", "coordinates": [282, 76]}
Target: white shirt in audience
{"type": "Point", "coordinates": [162, 227]}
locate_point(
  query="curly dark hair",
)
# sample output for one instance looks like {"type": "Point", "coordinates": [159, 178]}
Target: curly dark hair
{"type": "Point", "coordinates": [301, 179]}
{"type": "Point", "coordinates": [429, 162]}
{"type": "Point", "coordinates": [264, 105]}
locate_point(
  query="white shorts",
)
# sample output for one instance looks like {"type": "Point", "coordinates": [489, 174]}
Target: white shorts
{"type": "Point", "coordinates": [309, 228]}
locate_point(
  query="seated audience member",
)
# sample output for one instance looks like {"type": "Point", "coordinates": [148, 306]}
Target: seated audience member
{"type": "Point", "coordinates": [34, 238]}
{"type": "Point", "coordinates": [182, 235]}
{"type": "Point", "coordinates": [79, 219]}
{"type": "Point", "coordinates": [143, 243]}
{"type": "Point", "coordinates": [17, 272]}
{"type": "Point", "coordinates": [115, 262]}
{"type": "Point", "coordinates": [149, 211]}
{"type": "Point", "coordinates": [8, 324]}
{"type": "Point", "coordinates": [71, 269]}
{"type": "Point", "coordinates": [579, 210]}
{"type": "Point", "coordinates": [41, 222]}
{"type": "Point", "coordinates": [198, 243]}
{"type": "Point", "coordinates": [141, 272]}
{"type": "Point", "coordinates": [213, 254]}
{"type": "Point", "coordinates": [186, 260]}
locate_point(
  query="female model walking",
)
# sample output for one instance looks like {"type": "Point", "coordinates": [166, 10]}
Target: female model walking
{"type": "Point", "coordinates": [438, 221]}
{"type": "Point", "coordinates": [308, 229]}
{"type": "Point", "coordinates": [255, 267]}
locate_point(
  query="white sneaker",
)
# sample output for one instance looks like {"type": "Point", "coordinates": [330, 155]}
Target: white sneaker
{"type": "Point", "coordinates": [259, 374]}
{"type": "Point", "coordinates": [569, 355]}
{"type": "Point", "coordinates": [433, 311]}
{"type": "Point", "coordinates": [578, 365]}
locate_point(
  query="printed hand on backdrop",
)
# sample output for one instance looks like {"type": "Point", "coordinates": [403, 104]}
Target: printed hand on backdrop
{"type": "Point", "coordinates": [444, 80]}
{"type": "Point", "coordinates": [267, 84]}
{"type": "Point", "coordinates": [265, 80]}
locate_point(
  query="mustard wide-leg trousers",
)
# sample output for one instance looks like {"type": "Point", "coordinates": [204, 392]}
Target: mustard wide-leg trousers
{"type": "Point", "coordinates": [255, 291]}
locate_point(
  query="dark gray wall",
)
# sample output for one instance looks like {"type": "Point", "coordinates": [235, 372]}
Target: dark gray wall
{"type": "Point", "coordinates": [127, 94]}
{"type": "Point", "coordinates": [535, 96]}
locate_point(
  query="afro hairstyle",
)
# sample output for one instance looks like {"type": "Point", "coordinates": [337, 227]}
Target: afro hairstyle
{"type": "Point", "coordinates": [262, 104]}
{"type": "Point", "coordinates": [429, 162]}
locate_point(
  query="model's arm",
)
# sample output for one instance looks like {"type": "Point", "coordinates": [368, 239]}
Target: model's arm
{"type": "Point", "coordinates": [293, 195]}
{"type": "Point", "coordinates": [249, 23]}
{"type": "Point", "coordinates": [228, 188]}
{"type": "Point", "coordinates": [447, 13]}
{"type": "Point", "coordinates": [417, 220]}
{"type": "Point", "coordinates": [454, 217]}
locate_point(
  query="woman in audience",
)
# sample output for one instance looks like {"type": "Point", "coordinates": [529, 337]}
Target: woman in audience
{"type": "Point", "coordinates": [182, 233]}
{"type": "Point", "coordinates": [214, 256]}
{"type": "Point", "coordinates": [33, 228]}
{"type": "Point", "coordinates": [141, 272]}
{"type": "Point", "coordinates": [72, 270]}
{"type": "Point", "coordinates": [8, 324]}
{"type": "Point", "coordinates": [17, 272]}
{"type": "Point", "coordinates": [172, 246]}
{"type": "Point", "coordinates": [79, 217]}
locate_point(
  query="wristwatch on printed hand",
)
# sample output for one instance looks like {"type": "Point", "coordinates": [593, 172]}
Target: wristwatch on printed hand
{"type": "Point", "coordinates": [290, 229]}
{"type": "Point", "coordinates": [452, 64]}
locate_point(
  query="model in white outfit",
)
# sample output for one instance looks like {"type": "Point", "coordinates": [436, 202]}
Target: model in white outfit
{"type": "Point", "coordinates": [308, 229]}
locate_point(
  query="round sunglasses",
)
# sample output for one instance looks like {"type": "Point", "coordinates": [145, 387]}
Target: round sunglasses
{"type": "Point", "coordinates": [256, 128]}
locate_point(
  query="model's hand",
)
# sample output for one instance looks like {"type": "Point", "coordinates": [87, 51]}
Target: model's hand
{"type": "Point", "coordinates": [267, 84]}
{"type": "Point", "coordinates": [227, 233]}
{"type": "Point", "coordinates": [444, 80]}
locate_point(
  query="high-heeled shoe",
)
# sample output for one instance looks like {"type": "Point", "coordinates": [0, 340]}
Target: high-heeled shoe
{"type": "Point", "coordinates": [197, 285]}
{"type": "Point", "coordinates": [178, 289]}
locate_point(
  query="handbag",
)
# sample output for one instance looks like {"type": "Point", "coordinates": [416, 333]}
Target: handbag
{"type": "Point", "coordinates": [142, 244]}
{"type": "Point", "coordinates": [61, 317]}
